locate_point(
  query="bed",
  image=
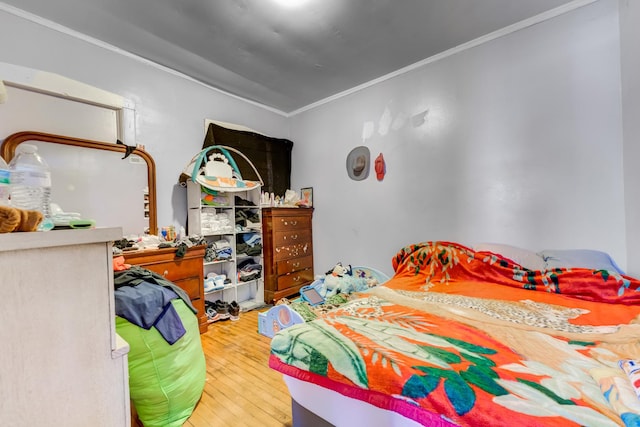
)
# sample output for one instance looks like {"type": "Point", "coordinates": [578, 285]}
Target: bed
{"type": "Point", "coordinates": [470, 337]}
{"type": "Point", "coordinates": [331, 290]}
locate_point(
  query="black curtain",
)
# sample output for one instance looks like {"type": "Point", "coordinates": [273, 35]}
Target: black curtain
{"type": "Point", "coordinates": [270, 156]}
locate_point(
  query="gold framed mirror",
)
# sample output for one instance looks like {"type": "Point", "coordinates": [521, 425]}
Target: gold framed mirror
{"type": "Point", "coordinates": [97, 179]}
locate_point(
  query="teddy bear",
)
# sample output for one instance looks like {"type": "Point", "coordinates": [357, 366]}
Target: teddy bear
{"type": "Point", "coordinates": [14, 219]}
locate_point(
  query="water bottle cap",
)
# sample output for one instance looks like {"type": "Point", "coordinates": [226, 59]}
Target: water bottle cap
{"type": "Point", "coordinates": [27, 148]}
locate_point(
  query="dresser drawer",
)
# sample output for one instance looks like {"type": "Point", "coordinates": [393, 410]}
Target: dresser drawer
{"type": "Point", "coordinates": [191, 286]}
{"type": "Point", "coordinates": [282, 238]}
{"type": "Point", "coordinates": [292, 251]}
{"type": "Point", "coordinates": [293, 222]}
{"type": "Point", "coordinates": [198, 304]}
{"type": "Point", "coordinates": [185, 272]}
{"type": "Point", "coordinates": [295, 264]}
{"type": "Point", "coordinates": [298, 278]}
{"type": "Point", "coordinates": [176, 270]}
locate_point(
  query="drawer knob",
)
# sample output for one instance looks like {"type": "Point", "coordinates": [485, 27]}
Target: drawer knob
{"type": "Point", "coordinates": [296, 279]}
{"type": "Point", "coordinates": [294, 223]}
{"type": "Point", "coordinates": [165, 273]}
{"type": "Point", "coordinates": [294, 237]}
{"type": "Point", "coordinates": [296, 264]}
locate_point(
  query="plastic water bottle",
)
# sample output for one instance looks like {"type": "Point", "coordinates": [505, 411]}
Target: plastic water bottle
{"type": "Point", "coordinates": [4, 182]}
{"type": "Point", "coordinates": [30, 183]}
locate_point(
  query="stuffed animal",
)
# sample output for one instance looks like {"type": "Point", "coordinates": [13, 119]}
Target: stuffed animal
{"type": "Point", "coordinates": [339, 270]}
{"type": "Point", "coordinates": [341, 280]}
{"type": "Point", "coordinates": [14, 219]}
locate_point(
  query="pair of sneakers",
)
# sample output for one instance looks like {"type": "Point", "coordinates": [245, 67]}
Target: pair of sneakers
{"type": "Point", "coordinates": [211, 312]}
{"type": "Point", "coordinates": [234, 311]}
{"type": "Point", "coordinates": [222, 310]}
{"type": "Point", "coordinates": [215, 282]}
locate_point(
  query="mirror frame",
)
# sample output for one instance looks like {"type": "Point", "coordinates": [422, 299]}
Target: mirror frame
{"type": "Point", "coordinates": [11, 142]}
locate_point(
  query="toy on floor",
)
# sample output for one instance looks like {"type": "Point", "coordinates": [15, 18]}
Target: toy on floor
{"type": "Point", "coordinates": [310, 295]}
{"type": "Point", "coordinates": [277, 318]}
{"type": "Point", "coordinates": [14, 219]}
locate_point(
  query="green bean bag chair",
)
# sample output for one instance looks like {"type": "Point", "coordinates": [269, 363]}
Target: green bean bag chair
{"type": "Point", "coordinates": [165, 381]}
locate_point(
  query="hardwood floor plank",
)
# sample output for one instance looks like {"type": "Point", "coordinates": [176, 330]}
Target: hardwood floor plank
{"type": "Point", "coordinates": [241, 389]}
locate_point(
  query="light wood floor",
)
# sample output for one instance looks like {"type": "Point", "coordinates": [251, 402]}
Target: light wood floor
{"type": "Point", "coordinates": [241, 389]}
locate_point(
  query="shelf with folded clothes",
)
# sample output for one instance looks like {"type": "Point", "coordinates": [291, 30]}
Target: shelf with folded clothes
{"type": "Point", "coordinates": [214, 234]}
{"type": "Point", "coordinates": [248, 282]}
{"type": "Point", "coordinates": [247, 218]}
{"type": "Point", "coordinates": [229, 251]}
{"type": "Point", "coordinates": [219, 261]}
{"type": "Point", "coordinates": [248, 230]}
{"type": "Point", "coordinates": [216, 221]}
{"type": "Point", "coordinates": [242, 257]}
{"type": "Point", "coordinates": [219, 250]}
{"type": "Point", "coordinates": [219, 290]}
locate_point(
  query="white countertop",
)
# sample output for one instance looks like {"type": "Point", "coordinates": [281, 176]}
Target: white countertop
{"type": "Point", "coordinates": [47, 239]}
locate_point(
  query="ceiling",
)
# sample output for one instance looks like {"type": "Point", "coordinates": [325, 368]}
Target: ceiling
{"type": "Point", "coordinates": [285, 57]}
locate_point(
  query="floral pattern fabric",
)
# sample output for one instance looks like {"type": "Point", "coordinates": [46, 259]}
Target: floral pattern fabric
{"type": "Point", "coordinates": [468, 338]}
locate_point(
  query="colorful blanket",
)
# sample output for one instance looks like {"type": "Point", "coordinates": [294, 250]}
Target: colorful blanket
{"type": "Point", "coordinates": [468, 338]}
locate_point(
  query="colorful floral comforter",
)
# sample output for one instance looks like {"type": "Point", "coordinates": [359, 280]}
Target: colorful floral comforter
{"type": "Point", "coordinates": [468, 338]}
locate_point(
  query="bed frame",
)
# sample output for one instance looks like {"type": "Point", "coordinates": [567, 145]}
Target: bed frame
{"type": "Point", "coordinates": [302, 417]}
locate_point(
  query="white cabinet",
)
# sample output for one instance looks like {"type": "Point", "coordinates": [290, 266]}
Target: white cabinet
{"type": "Point", "coordinates": [231, 223]}
{"type": "Point", "coordinates": [62, 363]}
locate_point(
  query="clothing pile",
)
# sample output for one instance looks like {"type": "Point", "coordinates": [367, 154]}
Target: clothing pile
{"type": "Point", "coordinates": [247, 220]}
{"type": "Point", "coordinates": [239, 201]}
{"type": "Point", "coordinates": [144, 297]}
{"type": "Point", "coordinates": [218, 250]}
{"type": "Point", "coordinates": [249, 270]}
{"type": "Point", "coordinates": [249, 244]}
{"type": "Point", "coordinates": [166, 364]}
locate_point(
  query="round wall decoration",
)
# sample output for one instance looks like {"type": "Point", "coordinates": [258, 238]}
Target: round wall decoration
{"type": "Point", "coordinates": [358, 163]}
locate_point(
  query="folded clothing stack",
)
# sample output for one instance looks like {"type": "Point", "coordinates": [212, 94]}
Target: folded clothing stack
{"type": "Point", "coordinates": [218, 250]}
{"type": "Point", "coordinates": [212, 222]}
{"type": "Point", "coordinates": [222, 249]}
{"type": "Point", "coordinates": [249, 270]}
{"type": "Point", "coordinates": [247, 220]}
{"type": "Point", "coordinates": [249, 244]}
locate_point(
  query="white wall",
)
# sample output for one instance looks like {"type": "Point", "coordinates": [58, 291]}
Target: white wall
{"type": "Point", "coordinates": [170, 110]}
{"type": "Point", "coordinates": [521, 144]}
{"type": "Point", "coordinates": [630, 60]}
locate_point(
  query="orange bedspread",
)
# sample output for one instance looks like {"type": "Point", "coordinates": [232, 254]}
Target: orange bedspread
{"type": "Point", "coordinates": [468, 338]}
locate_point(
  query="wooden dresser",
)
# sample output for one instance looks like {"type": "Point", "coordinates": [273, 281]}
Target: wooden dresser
{"type": "Point", "coordinates": [288, 251]}
{"type": "Point", "coordinates": [185, 272]}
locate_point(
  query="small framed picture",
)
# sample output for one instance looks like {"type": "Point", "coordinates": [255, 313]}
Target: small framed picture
{"type": "Point", "coordinates": [306, 197]}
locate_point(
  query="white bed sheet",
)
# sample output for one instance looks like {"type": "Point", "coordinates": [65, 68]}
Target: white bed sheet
{"type": "Point", "coordinates": [343, 411]}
